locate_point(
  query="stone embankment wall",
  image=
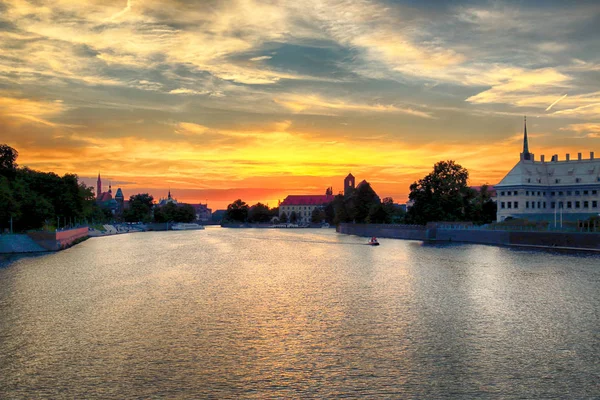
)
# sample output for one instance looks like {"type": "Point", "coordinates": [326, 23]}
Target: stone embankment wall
{"type": "Point", "coordinates": [35, 242]}
{"type": "Point", "coordinates": [411, 232]}
{"type": "Point", "coordinates": [565, 240]}
{"type": "Point", "coordinates": [10, 244]}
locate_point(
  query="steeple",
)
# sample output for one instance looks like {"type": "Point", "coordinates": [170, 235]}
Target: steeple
{"type": "Point", "coordinates": [99, 186]}
{"type": "Point", "coordinates": [526, 155]}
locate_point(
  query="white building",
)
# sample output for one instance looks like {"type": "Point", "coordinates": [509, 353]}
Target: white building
{"type": "Point", "coordinates": [303, 205]}
{"type": "Point", "coordinates": [550, 190]}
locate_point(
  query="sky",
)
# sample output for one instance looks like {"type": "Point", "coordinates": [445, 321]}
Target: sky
{"type": "Point", "coordinates": [227, 99]}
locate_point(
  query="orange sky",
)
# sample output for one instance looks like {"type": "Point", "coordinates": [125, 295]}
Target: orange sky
{"type": "Point", "coordinates": [219, 100]}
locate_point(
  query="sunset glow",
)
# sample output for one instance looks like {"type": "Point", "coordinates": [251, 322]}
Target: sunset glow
{"type": "Point", "coordinates": [219, 100]}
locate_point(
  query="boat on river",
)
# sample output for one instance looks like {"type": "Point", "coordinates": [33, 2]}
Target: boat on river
{"type": "Point", "coordinates": [373, 242]}
{"type": "Point", "coordinates": [186, 226]}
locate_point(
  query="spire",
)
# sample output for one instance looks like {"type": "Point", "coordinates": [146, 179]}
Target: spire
{"type": "Point", "coordinates": [526, 155]}
{"type": "Point", "coordinates": [525, 142]}
{"type": "Point", "coordinates": [99, 186]}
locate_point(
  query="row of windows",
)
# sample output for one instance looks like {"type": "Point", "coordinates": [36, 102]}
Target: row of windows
{"type": "Point", "coordinates": [560, 193]}
{"type": "Point", "coordinates": [294, 208]}
{"type": "Point", "coordinates": [557, 180]}
{"type": "Point", "coordinates": [542, 204]}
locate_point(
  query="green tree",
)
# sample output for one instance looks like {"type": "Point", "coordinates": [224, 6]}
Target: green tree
{"type": "Point", "coordinates": [341, 213]}
{"type": "Point", "coordinates": [140, 208]}
{"type": "Point", "coordinates": [259, 213]}
{"type": "Point", "coordinates": [377, 215]}
{"type": "Point", "coordinates": [283, 218]}
{"type": "Point", "coordinates": [442, 195]}
{"type": "Point", "coordinates": [361, 201]}
{"type": "Point", "coordinates": [394, 212]}
{"type": "Point", "coordinates": [8, 158]}
{"type": "Point", "coordinates": [237, 211]}
{"type": "Point", "coordinates": [318, 215]}
{"type": "Point", "coordinates": [482, 209]}
{"type": "Point", "coordinates": [293, 217]}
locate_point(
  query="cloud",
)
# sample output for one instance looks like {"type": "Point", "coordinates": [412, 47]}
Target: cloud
{"type": "Point", "coordinates": [315, 104]}
{"type": "Point", "coordinates": [260, 58]}
{"type": "Point", "coordinates": [586, 130]}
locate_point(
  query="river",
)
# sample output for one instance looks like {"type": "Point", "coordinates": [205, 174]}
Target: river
{"type": "Point", "coordinates": [298, 313]}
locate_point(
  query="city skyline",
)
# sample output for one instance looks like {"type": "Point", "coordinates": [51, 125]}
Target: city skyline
{"type": "Point", "coordinates": [220, 100]}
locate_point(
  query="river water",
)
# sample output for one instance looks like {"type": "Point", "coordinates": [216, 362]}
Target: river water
{"type": "Point", "coordinates": [258, 313]}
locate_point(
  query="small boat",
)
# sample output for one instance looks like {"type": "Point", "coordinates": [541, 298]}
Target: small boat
{"type": "Point", "coordinates": [373, 242]}
{"type": "Point", "coordinates": [186, 227]}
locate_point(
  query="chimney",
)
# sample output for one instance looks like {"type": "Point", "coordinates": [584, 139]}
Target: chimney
{"type": "Point", "coordinates": [542, 158]}
{"type": "Point", "coordinates": [579, 156]}
{"type": "Point", "coordinates": [591, 155]}
{"type": "Point", "coordinates": [568, 157]}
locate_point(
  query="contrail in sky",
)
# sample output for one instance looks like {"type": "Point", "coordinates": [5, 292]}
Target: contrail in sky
{"type": "Point", "coordinates": [553, 104]}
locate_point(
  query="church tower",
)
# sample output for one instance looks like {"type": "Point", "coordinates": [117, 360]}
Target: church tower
{"type": "Point", "coordinates": [349, 185]}
{"type": "Point", "coordinates": [526, 155]}
{"type": "Point", "coordinates": [99, 186]}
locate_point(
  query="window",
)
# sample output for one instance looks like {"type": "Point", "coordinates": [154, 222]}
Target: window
{"type": "Point", "coordinates": [586, 192]}
{"type": "Point", "coordinates": [516, 204]}
{"type": "Point", "coordinates": [569, 193]}
{"type": "Point", "coordinates": [594, 204]}
{"type": "Point", "coordinates": [533, 204]}
{"type": "Point", "coordinates": [594, 192]}
{"type": "Point", "coordinates": [516, 193]}
{"type": "Point", "coordinates": [569, 205]}
{"type": "Point", "coordinates": [502, 205]}
{"type": "Point", "coordinates": [539, 204]}
{"type": "Point", "coordinates": [560, 193]}
{"type": "Point", "coordinates": [509, 204]}
{"type": "Point", "coordinates": [528, 180]}
{"type": "Point", "coordinates": [553, 204]}
{"type": "Point", "coordinates": [552, 193]}
{"type": "Point", "coordinates": [557, 180]}
{"type": "Point", "coordinates": [577, 193]}
{"type": "Point", "coordinates": [561, 204]}
{"type": "Point", "coordinates": [539, 193]}
{"type": "Point", "coordinates": [577, 180]}
{"type": "Point", "coordinates": [544, 204]}
{"type": "Point", "coordinates": [526, 204]}
{"type": "Point", "coordinates": [586, 204]}
{"type": "Point", "coordinates": [577, 204]}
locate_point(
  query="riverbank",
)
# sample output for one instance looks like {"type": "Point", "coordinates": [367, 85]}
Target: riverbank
{"type": "Point", "coordinates": [586, 241]}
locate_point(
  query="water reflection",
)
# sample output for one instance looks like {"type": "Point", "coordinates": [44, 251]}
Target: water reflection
{"type": "Point", "coordinates": [297, 313]}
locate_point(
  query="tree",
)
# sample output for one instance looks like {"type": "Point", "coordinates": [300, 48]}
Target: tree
{"type": "Point", "coordinates": [360, 202]}
{"type": "Point", "coordinates": [293, 217]}
{"type": "Point", "coordinates": [442, 195]}
{"type": "Point", "coordinates": [8, 158]}
{"type": "Point", "coordinates": [482, 209]}
{"type": "Point", "coordinates": [259, 213]}
{"type": "Point", "coordinates": [237, 211]}
{"type": "Point", "coordinates": [283, 218]}
{"type": "Point", "coordinates": [140, 208]}
{"type": "Point", "coordinates": [341, 214]}
{"type": "Point", "coordinates": [318, 215]}
{"type": "Point", "coordinates": [377, 215]}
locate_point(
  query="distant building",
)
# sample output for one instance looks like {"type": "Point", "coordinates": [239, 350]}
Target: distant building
{"type": "Point", "coordinates": [166, 200]}
{"type": "Point", "coordinates": [203, 213]}
{"type": "Point", "coordinates": [303, 205]}
{"type": "Point", "coordinates": [550, 190]}
{"type": "Point", "coordinates": [106, 200]}
{"type": "Point", "coordinates": [218, 215]}
{"type": "Point", "coordinates": [349, 185]}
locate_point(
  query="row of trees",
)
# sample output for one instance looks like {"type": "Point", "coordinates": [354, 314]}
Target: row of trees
{"type": "Point", "coordinates": [442, 195]}
{"type": "Point", "coordinates": [239, 211]}
{"type": "Point", "coordinates": [32, 200]}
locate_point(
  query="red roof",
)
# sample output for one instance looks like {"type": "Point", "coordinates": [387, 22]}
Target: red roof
{"type": "Point", "coordinates": [104, 196]}
{"type": "Point", "coordinates": [305, 200]}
